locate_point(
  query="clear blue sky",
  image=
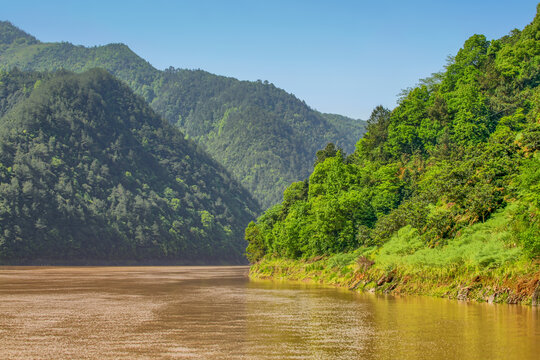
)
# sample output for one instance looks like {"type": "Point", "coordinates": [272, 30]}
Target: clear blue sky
{"type": "Point", "coordinates": [343, 57]}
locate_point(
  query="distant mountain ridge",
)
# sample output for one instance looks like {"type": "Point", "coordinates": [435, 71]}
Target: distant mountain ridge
{"type": "Point", "coordinates": [90, 174]}
{"type": "Point", "coordinates": [266, 137]}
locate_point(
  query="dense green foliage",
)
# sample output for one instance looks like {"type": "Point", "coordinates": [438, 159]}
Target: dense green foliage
{"type": "Point", "coordinates": [88, 172]}
{"type": "Point", "coordinates": [264, 136]}
{"type": "Point", "coordinates": [457, 159]}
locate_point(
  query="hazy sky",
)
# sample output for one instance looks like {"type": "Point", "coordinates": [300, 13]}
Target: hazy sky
{"type": "Point", "coordinates": [342, 57]}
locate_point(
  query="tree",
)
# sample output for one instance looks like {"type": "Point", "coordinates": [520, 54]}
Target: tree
{"type": "Point", "coordinates": [255, 249]}
{"type": "Point", "coordinates": [330, 150]}
{"type": "Point", "coordinates": [371, 146]}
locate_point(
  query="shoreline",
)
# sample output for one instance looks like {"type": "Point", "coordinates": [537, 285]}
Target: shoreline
{"type": "Point", "coordinates": [501, 285]}
{"type": "Point", "coordinates": [123, 262]}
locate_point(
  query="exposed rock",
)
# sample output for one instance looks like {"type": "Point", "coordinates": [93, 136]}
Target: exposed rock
{"type": "Point", "coordinates": [356, 285]}
{"type": "Point", "coordinates": [535, 300]}
{"type": "Point", "coordinates": [385, 279]}
{"type": "Point", "coordinates": [463, 293]}
{"type": "Point", "coordinates": [390, 288]}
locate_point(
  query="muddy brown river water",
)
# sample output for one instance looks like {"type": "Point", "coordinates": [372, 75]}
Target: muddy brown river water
{"type": "Point", "coordinates": [218, 313]}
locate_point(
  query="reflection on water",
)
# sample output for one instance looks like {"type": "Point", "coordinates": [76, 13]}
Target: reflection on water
{"type": "Point", "coordinates": [217, 313]}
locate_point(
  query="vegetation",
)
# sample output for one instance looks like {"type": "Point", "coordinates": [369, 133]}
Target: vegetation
{"type": "Point", "coordinates": [446, 183]}
{"type": "Point", "coordinates": [88, 172]}
{"type": "Point", "coordinates": [264, 136]}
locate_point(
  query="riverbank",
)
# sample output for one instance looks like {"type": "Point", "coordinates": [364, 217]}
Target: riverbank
{"type": "Point", "coordinates": [515, 284]}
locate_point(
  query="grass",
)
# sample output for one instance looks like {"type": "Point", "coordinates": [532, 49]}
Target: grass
{"type": "Point", "coordinates": [481, 264]}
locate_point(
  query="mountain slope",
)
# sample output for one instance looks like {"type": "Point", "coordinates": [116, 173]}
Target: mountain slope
{"type": "Point", "coordinates": [89, 173]}
{"type": "Point", "coordinates": [280, 133]}
{"type": "Point", "coordinates": [441, 196]}
{"type": "Point", "coordinates": [265, 136]}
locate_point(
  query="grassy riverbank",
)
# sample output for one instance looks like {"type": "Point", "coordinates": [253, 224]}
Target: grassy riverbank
{"type": "Point", "coordinates": [479, 265]}
{"type": "Point", "coordinates": [515, 285]}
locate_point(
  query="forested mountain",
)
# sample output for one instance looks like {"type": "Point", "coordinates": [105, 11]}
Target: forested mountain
{"type": "Point", "coordinates": [266, 137]}
{"type": "Point", "coordinates": [89, 173]}
{"type": "Point", "coordinates": [450, 178]}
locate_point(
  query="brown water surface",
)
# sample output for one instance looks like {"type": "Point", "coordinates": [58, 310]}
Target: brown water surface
{"type": "Point", "coordinates": [217, 313]}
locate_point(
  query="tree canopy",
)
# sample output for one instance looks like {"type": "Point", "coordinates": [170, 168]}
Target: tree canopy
{"type": "Point", "coordinates": [460, 147]}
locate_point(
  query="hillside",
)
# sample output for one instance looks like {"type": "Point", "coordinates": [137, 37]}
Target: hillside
{"type": "Point", "coordinates": [264, 136]}
{"type": "Point", "coordinates": [441, 196]}
{"type": "Point", "coordinates": [90, 174]}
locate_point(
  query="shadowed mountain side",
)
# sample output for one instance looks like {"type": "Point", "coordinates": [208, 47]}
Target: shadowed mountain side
{"type": "Point", "coordinates": [89, 173]}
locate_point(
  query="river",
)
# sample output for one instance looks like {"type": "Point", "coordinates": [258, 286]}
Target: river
{"type": "Point", "coordinates": [218, 313]}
